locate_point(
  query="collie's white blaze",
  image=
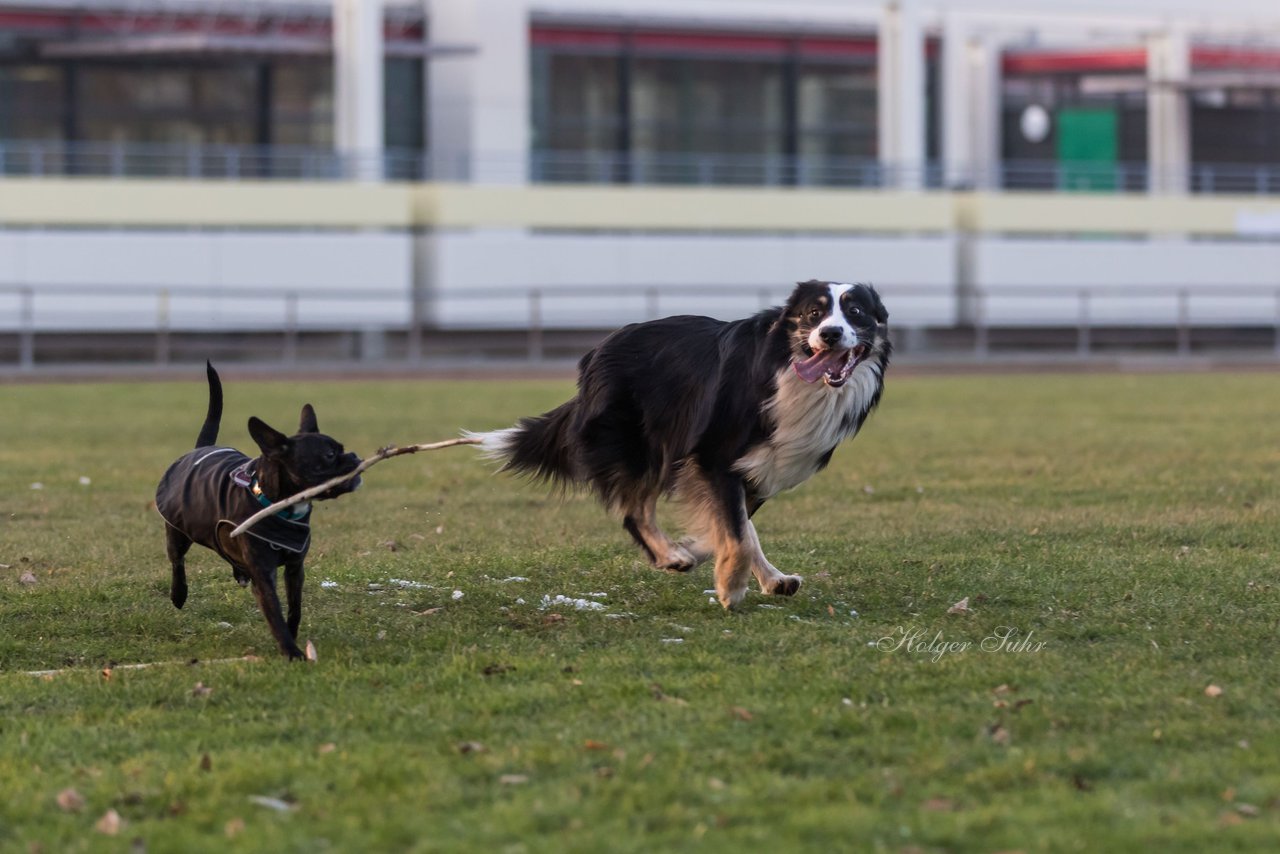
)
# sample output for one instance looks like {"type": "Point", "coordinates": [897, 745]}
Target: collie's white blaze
{"type": "Point", "coordinates": [836, 320]}
{"type": "Point", "coordinates": [809, 420]}
{"type": "Point", "coordinates": [496, 444]}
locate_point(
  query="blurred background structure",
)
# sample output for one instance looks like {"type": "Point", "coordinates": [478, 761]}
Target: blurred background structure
{"type": "Point", "coordinates": [382, 181]}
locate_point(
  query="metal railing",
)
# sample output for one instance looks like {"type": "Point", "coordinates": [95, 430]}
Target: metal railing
{"type": "Point", "coordinates": [226, 162]}
{"type": "Point", "coordinates": [232, 162]}
{"type": "Point", "coordinates": [277, 313]}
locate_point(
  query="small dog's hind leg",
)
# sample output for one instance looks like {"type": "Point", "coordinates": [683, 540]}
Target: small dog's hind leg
{"type": "Point", "coordinates": [176, 545]}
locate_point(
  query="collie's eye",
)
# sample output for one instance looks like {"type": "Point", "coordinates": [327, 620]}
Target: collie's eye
{"type": "Point", "coordinates": [815, 314]}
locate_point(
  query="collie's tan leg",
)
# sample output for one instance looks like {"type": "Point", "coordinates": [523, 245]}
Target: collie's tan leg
{"type": "Point", "coordinates": [641, 522]}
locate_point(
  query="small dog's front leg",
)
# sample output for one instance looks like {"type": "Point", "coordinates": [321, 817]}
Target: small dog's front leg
{"type": "Point", "coordinates": [293, 576]}
{"type": "Point", "coordinates": [264, 590]}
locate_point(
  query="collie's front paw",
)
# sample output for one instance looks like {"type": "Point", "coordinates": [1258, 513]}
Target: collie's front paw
{"type": "Point", "coordinates": [730, 598]}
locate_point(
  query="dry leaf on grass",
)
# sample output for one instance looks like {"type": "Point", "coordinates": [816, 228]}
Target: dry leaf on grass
{"type": "Point", "coordinates": [1212, 691]}
{"type": "Point", "coordinates": [70, 800]}
{"type": "Point", "coordinates": [998, 734]}
{"type": "Point", "coordinates": [110, 823]}
{"type": "Point", "coordinates": [27, 577]}
{"type": "Point", "coordinates": [327, 747]}
{"type": "Point", "coordinates": [741, 713]}
{"type": "Point", "coordinates": [961, 607]}
{"type": "Point", "coordinates": [311, 652]}
{"type": "Point", "coordinates": [233, 828]}
{"type": "Point", "coordinates": [471, 747]}
{"type": "Point", "coordinates": [938, 805]}
{"type": "Point", "coordinates": [201, 690]}
{"type": "Point", "coordinates": [659, 694]}
{"type": "Point", "coordinates": [513, 779]}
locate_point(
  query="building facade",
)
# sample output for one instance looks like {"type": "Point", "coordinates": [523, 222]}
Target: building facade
{"type": "Point", "coordinates": [1141, 95]}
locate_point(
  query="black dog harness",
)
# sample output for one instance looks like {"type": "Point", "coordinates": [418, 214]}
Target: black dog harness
{"type": "Point", "coordinates": [211, 487]}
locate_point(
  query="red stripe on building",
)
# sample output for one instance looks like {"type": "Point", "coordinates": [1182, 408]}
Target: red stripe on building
{"type": "Point", "coordinates": [664, 42]}
{"type": "Point", "coordinates": [1234, 58]}
{"type": "Point", "coordinates": [573, 37]}
{"type": "Point", "coordinates": [817, 46]}
{"type": "Point", "coordinates": [1051, 62]}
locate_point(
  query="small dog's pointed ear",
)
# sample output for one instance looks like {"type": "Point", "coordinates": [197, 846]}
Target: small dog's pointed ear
{"type": "Point", "coordinates": [308, 424]}
{"type": "Point", "coordinates": [270, 440]}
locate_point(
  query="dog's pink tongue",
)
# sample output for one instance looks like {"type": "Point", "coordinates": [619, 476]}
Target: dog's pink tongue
{"type": "Point", "coordinates": [812, 368]}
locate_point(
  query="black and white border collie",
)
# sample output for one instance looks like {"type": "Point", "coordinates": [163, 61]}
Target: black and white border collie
{"type": "Point", "coordinates": [719, 415]}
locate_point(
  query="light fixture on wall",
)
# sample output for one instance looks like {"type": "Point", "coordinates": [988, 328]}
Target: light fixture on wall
{"type": "Point", "coordinates": [1034, 123]}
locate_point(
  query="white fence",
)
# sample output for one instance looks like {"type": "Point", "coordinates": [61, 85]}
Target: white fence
{"type": "Point", "coordinates": [290, 313]}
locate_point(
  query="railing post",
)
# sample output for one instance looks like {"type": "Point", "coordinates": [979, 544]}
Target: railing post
{"type": "Point", "coordinates": [535, 325]}
{"type": "Point", "coordinates": [981, 339]}
{"type": "Point", "coordinates": [162, 327]}
{"type": "Point", "coordinates": [413, 343]}
{"type": "Point", "coordinates": [1184, 323]}
{"type": "Point", "coordinates": [27, 334]}
{"type": "Point", "coordinates": [291, 328]}
{"type": "Point", "coordinates": [1083, 330]}
{"type": "Point", "coordinates": [1277, 338]}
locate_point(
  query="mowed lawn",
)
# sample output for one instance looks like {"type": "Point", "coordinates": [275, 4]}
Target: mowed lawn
{"type": "Point", "coordinates": [1112, 687]}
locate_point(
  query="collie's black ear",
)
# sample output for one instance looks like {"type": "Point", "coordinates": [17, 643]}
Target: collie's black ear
{"type": "Point", "coordinates": [878, 311]}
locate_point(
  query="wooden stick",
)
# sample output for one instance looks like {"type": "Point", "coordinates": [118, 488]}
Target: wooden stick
{"type": "Point", "coordinates": [382, 454]}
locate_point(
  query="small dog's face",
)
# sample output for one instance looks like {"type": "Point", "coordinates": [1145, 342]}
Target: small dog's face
{"type": "Point", "coordinates": [308, 458]}
{"type": "Point", "coordinates": [834, 327]}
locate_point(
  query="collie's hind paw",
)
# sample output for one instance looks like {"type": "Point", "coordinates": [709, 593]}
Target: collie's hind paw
{"type": "Point", "coordinates": [678, 559]}
{"type": "Point", "coordinates": [786, 585]}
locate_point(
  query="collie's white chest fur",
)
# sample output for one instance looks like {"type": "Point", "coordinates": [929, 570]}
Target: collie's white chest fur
{"type": "Point", "coordinates": [809, 420]}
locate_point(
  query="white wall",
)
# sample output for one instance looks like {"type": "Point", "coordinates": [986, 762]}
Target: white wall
{"type": "Point", "coordinates": [746, 272]}
{"type": "Point", "coordinates": [104, 265]}
{"type": "Point", "coordinates": [1120, 272]}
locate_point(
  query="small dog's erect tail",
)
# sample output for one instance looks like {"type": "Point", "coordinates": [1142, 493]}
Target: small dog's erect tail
{"type": "Point", "coordinates": [539, 446]}
{"type": "Point", "coordinates": [209, 432]}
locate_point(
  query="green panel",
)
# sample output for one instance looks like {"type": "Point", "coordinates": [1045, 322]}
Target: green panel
{"type": "Point", "coordinates": [1087, 148]}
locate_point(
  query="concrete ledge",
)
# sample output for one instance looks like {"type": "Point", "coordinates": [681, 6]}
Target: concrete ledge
{"type": "Point", "coordinates": [153, 203]}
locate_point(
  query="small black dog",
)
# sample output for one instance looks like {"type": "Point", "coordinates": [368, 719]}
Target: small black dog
{"type": "Point", "coordinates": [211, 490]}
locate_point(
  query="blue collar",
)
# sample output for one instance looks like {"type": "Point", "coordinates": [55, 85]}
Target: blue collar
{"type": "Point", "coordinates": [245, 476]}
{"type": "Point", "coordinates": [294, 513]}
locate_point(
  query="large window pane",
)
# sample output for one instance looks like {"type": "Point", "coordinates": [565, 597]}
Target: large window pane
{"type": "Point", "coordinates": [31, 102]}
{"type": "Point", "coordinates": [167, 104]}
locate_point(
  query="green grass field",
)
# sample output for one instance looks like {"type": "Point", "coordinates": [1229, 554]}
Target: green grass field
{"type": "Point", "coordinates": [1120, 533]}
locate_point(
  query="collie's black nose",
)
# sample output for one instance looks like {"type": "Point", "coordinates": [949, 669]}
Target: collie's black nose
{"type": "Point", "coordinates": [831, 335]}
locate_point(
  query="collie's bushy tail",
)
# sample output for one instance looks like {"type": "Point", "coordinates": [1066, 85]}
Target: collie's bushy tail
{"type": "Point", "coordinates": [209, 432]}
{"type": "Point", "coordinates": [540, 446]}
